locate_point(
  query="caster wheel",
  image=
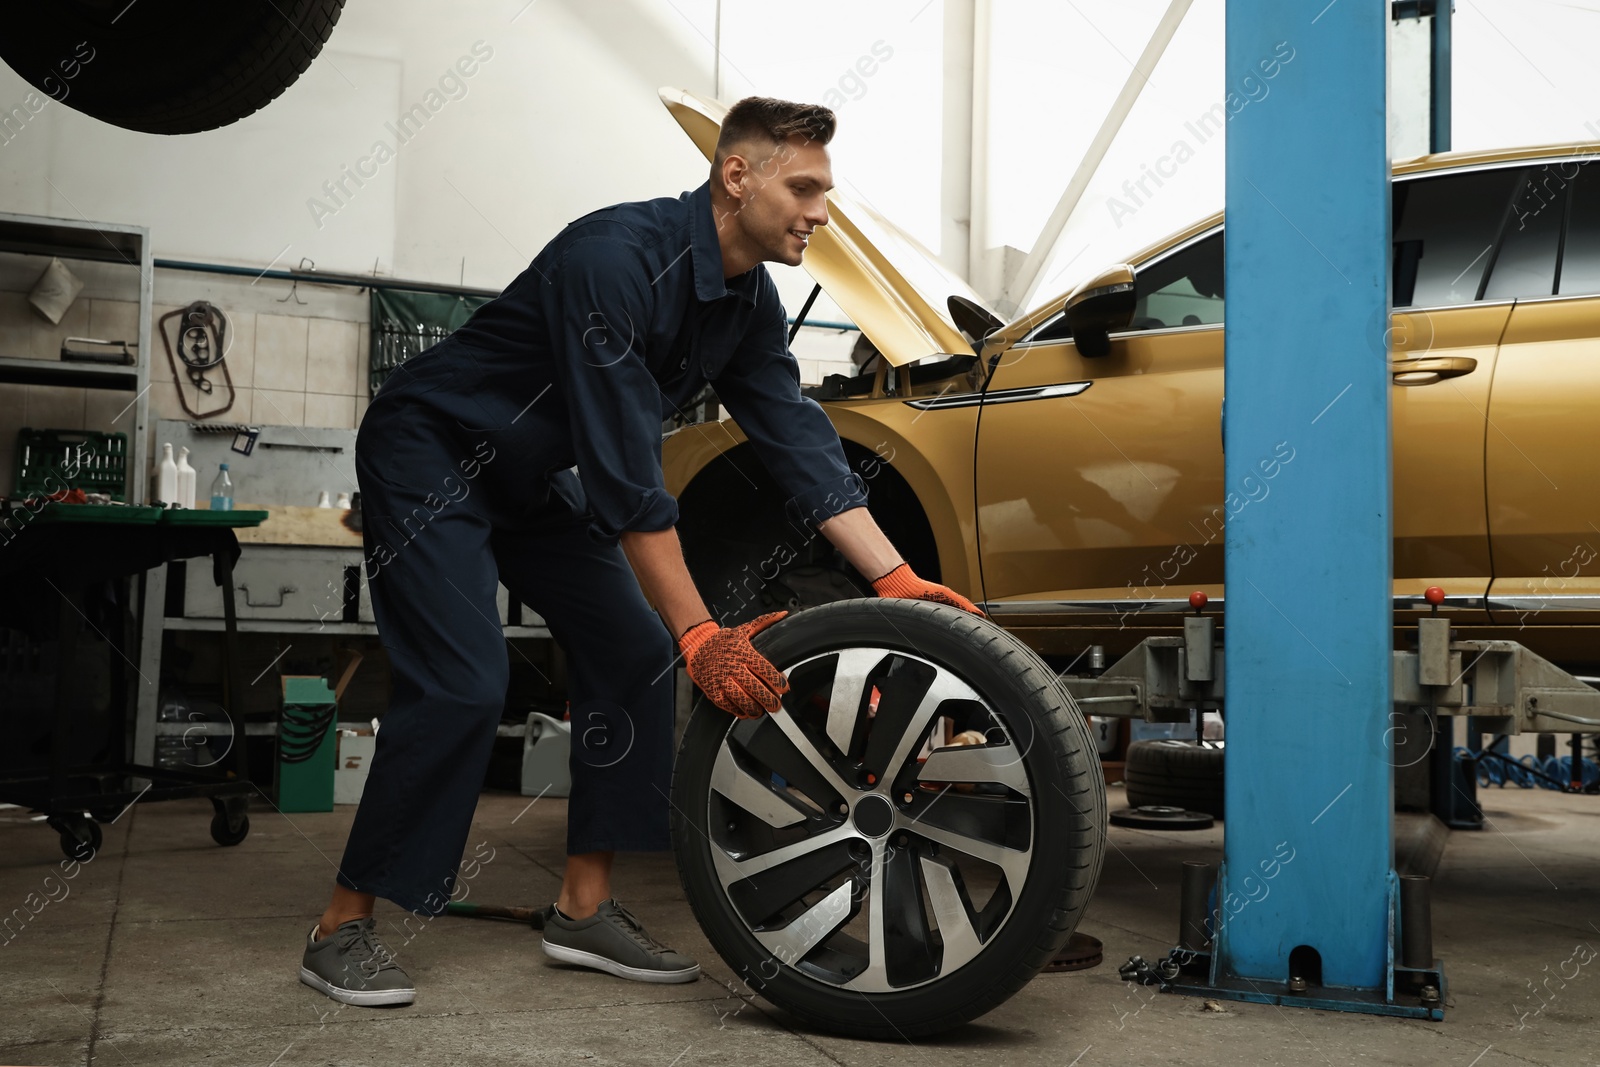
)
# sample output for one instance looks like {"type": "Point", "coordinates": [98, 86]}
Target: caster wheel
{"type": "Point", "coordinates": [231, 822]}
{"type": "Point", "coordinates": [854, 861]}
{"type": "Point", "coordinates": [80, 836]}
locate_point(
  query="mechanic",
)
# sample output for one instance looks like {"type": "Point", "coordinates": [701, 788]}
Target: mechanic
{"type": "Point", "coordinates": [465, 460]}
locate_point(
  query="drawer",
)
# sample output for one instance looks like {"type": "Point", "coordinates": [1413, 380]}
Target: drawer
{"type": "Point", "coordinates": [275, 582]}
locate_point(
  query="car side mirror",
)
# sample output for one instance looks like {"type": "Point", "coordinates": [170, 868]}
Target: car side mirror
{"type": "Point", "coordinates": [1099, 307]}
{"type": "Point", "coordinates": [975, 321]}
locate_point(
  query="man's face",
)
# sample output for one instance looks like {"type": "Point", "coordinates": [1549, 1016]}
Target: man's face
{"type": "Point", "coordinates": [781, 199]}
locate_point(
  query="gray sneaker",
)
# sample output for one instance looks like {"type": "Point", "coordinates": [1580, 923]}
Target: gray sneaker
{"type": "Point", "coordinates": [354, 967]}
{"type": "Point", "coordinates": [612, 940]}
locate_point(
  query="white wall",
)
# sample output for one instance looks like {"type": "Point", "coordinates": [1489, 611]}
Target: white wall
{"type": "Point", "coordinates": [542, 130]}
{"type": "Point", "coordinates": [539, 112]}
{"type": "Point", "coordinates": [562, 117]}
{"type": "Point", "coordinates": [559, 115]}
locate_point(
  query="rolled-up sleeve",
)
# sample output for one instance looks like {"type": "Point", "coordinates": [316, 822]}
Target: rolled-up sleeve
{"type": "Point", "coordinates": [792, 435]}
{"type": "Point", "coordinates": [597, 305]}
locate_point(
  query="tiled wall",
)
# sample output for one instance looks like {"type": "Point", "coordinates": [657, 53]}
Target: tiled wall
{"type": "Point", "coordinates": [292, 363]}
{"type": "Point", "coordinates": [288, 370]}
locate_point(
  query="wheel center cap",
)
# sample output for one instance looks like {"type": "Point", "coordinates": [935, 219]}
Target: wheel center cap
{"type": "Point", "coordinates": [874, 816]}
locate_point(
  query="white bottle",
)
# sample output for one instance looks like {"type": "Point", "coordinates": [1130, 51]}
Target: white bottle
{"type": "Point", "coordinates": [185, 480]}
{"type": "Point", "coordinates": [167, 478]}
{"type": "Point", "coordinates": [323, 501]}
{"type": "Point", "coordinates": [343, 501]}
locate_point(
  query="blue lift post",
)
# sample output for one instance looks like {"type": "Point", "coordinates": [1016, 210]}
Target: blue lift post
{"type": "Point", "coordinates": [1305, 909]}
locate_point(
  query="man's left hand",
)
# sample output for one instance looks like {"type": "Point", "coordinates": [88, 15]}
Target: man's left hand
{"type": "Point", "coordinates": [902, 583]}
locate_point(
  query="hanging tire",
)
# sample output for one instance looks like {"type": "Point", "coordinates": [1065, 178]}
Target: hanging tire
{"type": "Point", "coordinates": [165, 66]}
{"type": "Point", "coordinates": [1173, 773]}
{"type": "Point", "coordinates": [864, 890]}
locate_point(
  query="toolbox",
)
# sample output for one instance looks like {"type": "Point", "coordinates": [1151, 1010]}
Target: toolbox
{"type": "Point", "coordinates": [307, 740]}
{"type": "Point", "coordinates": [49, 461]}
{"type": "Point", "coordinates": [306, 746]}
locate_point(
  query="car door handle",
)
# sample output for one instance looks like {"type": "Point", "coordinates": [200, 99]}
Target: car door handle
{"type": "Point", "coordinates": [1425, 370]}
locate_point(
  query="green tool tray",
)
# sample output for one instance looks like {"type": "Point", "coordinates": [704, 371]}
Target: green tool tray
{"type": "Point", "coordinates": [80, 513]}
{"type": "Point", "coordinates": [51, 460]}
{"type": "Point", "coordinates": [207, 517]}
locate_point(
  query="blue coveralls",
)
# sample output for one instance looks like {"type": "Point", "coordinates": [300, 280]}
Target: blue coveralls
{"type": "Point", "coordinates": [464, 460]}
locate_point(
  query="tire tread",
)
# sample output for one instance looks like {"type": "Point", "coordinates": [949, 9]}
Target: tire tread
{"type": "Point", "coordinates": [1063, 728]}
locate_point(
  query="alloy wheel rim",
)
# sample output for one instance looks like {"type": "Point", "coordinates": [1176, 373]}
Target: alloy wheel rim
{"type": "Point", "coordinates": [857, 846]}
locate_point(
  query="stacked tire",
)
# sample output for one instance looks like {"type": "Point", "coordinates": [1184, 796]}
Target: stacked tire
{"type": "Point", "coordinates": [1177, 774]}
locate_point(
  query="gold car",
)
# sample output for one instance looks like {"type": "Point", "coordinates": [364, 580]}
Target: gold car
{"type": "Point", "coordinates": [1065, 469]}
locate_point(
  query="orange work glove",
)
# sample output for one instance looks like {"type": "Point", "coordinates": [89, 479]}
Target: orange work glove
{"type": "Point", "coordinates": [902, 584]}
{"type": "Point", "coordinates": [729, 671]}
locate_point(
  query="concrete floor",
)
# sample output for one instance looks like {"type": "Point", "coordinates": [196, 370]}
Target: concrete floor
{"type": "Point", "coordinates": [169, 950]}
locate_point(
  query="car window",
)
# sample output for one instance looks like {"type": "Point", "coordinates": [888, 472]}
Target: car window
{"type": "Point", "coordinates": [1053, 329]}
{"type": "Point", "coordinates": [1525, 263]}
{"type": "Point", "coordinates": [1183, 289]}
{"type": "Point", "coordinates": [1445, 228]}
{"type": "Point", "coordinates": [1580, 252]}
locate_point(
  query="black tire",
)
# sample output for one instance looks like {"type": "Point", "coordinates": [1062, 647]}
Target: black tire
{"type": "Point", "coordinates": [230, 822]}
{"type": "Point", "coordinates": [763, 561]}
{"type": "Point", "coordinates": [921, 981]}
{"type": "Point", "coordinates": [1174, 773]}
{"type": "Point", "coordinates": [742, 581]}
{"type": "Point", "coordinates": [166, 66]}
{"type": "Point", "coordinates": [80, 836]}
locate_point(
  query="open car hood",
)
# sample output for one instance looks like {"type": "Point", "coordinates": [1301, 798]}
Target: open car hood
{"type": "Point", "coordinates": [884, 279]}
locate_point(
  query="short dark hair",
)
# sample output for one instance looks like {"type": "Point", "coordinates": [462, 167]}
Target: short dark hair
{"type": "Point", "coordinates": [762, 118]}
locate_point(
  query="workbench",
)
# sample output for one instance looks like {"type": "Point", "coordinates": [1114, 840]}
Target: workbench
{"type": "Point", "coordinates": [300, 576]}
{"type": "Point", "coordinates": [54, 558]}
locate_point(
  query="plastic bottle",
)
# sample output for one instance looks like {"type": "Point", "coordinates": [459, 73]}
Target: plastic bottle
{"type": "Point", "coordinates": [343, 501]}
{"type": "Point", "coordinates": [323, 501]}
{"type": "Point", "coordinates": [185, 480]}
{"type": "Point", "coordinates": [167, 478]}
{"type": "Point", "coordinates": [222, 491]}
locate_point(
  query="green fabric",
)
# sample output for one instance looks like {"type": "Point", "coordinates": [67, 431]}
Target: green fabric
{"type": "Point", "coordinates": [404, 323]}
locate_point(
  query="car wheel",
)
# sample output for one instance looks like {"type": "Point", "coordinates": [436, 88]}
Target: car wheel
{"type": "Point", "coordinates": [1172, 773]}
{"type": "Point", "coordinates": [857, 878]}
{"type": "Point", "coordinates": [738, 593]}
{"type": "Point", "coordinates": [166, 66]}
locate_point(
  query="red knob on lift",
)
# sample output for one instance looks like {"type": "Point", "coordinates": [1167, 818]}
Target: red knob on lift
{"type": "Point", "coordinates": [1197, 601]}
{"type": "Point", "coordinates": [1435, 596]}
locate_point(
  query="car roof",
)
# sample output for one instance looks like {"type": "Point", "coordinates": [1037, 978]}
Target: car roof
{"type": "Point", "coordinates": [1436, 162]}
